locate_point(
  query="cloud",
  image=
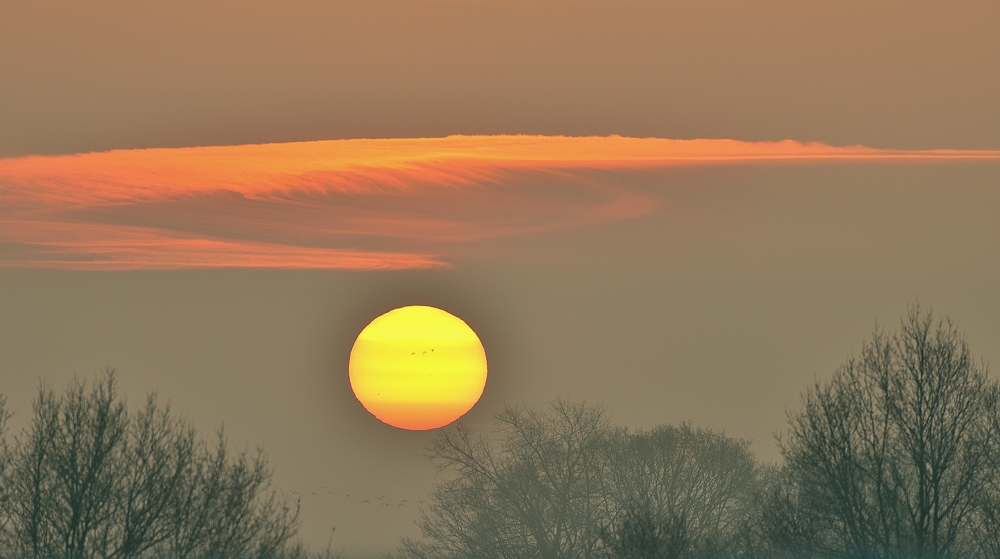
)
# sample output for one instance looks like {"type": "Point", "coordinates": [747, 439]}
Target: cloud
{"type": "Point", "coordinates": [344, 204]}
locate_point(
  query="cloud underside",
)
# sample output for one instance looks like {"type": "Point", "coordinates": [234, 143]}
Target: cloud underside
{"type": "Point", "coordinates": [345, 204]}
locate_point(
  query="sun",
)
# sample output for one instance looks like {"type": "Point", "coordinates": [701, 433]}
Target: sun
{"type": "Point", "coordinates": [418, 368]}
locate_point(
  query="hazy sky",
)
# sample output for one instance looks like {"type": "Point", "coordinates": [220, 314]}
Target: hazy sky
{"type": "Point", "coordinates": [702, 281]}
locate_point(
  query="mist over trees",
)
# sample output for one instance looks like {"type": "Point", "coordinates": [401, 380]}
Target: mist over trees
{"type": "Point", "coordinates": [90, 478]}
{"type": "Point", "coordinates": [897, 456]}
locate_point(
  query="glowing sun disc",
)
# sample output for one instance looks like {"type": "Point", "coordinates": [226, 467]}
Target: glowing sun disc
{"type": "Point", "coordinates": [418, 368]}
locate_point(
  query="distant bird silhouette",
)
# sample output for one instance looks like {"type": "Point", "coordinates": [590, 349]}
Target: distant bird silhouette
{"type": "Point", "coordinates": [382, 497]}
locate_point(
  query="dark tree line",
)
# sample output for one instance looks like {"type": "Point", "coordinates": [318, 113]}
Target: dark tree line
{"type": "Point", "coordinates": [88, 478]}
{"type": "Point", "coordinates": [897, 456]}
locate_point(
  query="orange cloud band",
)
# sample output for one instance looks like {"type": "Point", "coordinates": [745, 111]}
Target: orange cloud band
{"type": "Point", "coordinates": [347, 204]}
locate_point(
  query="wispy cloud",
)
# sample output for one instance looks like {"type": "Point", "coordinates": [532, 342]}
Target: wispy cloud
{"type": "Point", "coordinates": [348, 204]}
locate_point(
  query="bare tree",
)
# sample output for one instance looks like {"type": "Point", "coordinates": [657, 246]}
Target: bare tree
{"type": "Point", "coordinates": [5, 458]}
{"type": "Point", "coordinates": [889, 456]}
{"type": "Point", "coordinates": [563, 483]}
{"type": "Point", "coordinates": [220, 511]}
{"type": "Point", "coordinates": [532, 492]}
{"type": "Point", "coordinates": [642, 534]}
{"type": "Point", "coordinates": [85, 456]}
{"type": "Point", "coordinates": [159, 453]}
{"type": "Point", "coordinates": [986, 527]}
{"type": "Point", "coordinates": [88, 479]}
{"type": "Point", "coordinates": [30, 485]}
{"type": "Point", "coordinates": [692, 485]}
{"type": "Point", "coordinates": [779, 526]}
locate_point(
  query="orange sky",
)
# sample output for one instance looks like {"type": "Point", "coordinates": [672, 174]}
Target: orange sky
{"type": "Point", "coordinates": [345, 204]}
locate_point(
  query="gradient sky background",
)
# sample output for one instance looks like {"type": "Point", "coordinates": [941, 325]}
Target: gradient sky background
{"type": "Point", "coordinates": [712, 292]}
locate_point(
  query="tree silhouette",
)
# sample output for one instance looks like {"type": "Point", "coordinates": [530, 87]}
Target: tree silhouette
{"type": "Point", "coordinates": [642, 534]}
{"type": "Point", "coordinates": [692, 485]}
{"type": "Point", "coordinates": [533, 491]}
{"type": "Point", "coordinates": [889, 458]}
{"type": "Point", "coordinates": [87, 478]}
